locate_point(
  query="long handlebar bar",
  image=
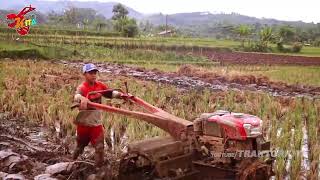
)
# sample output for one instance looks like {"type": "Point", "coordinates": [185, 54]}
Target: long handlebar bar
{"type": "Point", "coordinates": [174, 125]}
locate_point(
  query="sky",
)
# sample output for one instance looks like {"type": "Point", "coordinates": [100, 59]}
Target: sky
{"type": "Point", "coordinates": [292, 10]}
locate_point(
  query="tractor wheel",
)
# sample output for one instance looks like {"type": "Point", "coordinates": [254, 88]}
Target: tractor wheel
{"type": "Point", "coordinates": [254, 169]}
{"type": "Point", "coordinates": [135, 165]}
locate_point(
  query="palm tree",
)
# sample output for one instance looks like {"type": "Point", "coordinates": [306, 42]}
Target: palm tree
{"type": "Point", "coordinates": [244, 31]}
{"type": "Point", "coordinates": [265, 36]}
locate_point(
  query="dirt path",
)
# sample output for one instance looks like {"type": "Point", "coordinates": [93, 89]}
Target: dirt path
{"type": "Point", "coordinates": [186, 79]}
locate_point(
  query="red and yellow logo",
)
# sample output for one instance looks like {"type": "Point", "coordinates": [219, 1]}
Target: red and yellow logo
{"type": "Point", "coordinates": [21, 24]}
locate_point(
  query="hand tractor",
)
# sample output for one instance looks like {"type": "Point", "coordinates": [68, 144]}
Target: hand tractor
{"type": "Point", "coordinates": [218, 145]}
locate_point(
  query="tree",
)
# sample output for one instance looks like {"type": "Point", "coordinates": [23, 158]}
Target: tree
{"type": "Point", "coordinates": [286, 34]}
{"type": "Point", "coordinates": [130, 29]}
{"type": "Point", "coordinates": [70, 16]}
{"type": "Point", "coordinates": [100, 23]}
{"type": "Point", "coordinates": [244, 31]}
{"type": "Point", "coordinates": [122, 23]}
{"type": "Point", "coordinates": [84, 16]}
{"type": "Point", "coordinates": [265, 36]}
{"type": "Point", "coordinates": [55, 18]}
{"type": "Point", "coordinates": [119, 12]}
{"type": "Point", "coordinates": [146, 26]}
{"type": "Point", "coordinates": [119, 24]}
{"type": "Point", "coordinates": [120, 17]}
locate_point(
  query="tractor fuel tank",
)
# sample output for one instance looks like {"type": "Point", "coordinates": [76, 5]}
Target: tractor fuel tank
{"type": "Point", "coordinates": [237, 126]}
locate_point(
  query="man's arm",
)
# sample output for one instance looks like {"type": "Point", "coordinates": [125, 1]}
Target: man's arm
{"type": "Point", "coordinates": [110, 93]}
{"type": "Point", "coordinates": [78, 97]}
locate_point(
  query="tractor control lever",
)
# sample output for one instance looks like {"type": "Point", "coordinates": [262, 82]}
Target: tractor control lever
{"type": "Point", "coordinates": [125, 96]}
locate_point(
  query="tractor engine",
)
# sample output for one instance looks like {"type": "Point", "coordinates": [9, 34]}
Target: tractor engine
{"type": "Point", "coordinates": [227, 139]}
{"type": "Point", "coordinates": [225, 132]}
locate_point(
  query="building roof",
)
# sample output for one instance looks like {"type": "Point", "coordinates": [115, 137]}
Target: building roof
{"type": "Point", "coordinates": [165, 32]}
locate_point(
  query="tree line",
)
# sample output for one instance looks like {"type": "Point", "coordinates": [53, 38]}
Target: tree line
{"type": "Point", "coordinates": [89, 19]}
{"type": "Point", "coordinates": [287, 38]}
{"type": "Point", "coordinates": [255, 37]}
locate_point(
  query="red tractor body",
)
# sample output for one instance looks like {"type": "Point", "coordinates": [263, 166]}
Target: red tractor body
{"type": "Point", "coordinates": [191, 151]}
{"type": "Point", "coordinates": [237, 126]}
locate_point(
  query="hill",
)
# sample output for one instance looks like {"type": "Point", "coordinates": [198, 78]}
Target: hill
{"type": "Point", "coordinates": [103, 8]}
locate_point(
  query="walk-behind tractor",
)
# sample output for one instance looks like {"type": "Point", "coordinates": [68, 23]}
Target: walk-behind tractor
{"type": "Point", "coordinates": [219, 145]}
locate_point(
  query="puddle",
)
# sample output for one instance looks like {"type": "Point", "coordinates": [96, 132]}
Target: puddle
{"type": "Point", "coordinates": [37, 137]}
{"type": "Point", "coordinates": [112, 137]}
{"type": "Point", "coordinates": [305, 164]}
{"type": "Point", "coordinates": [121, 143]}
{"type": "Point", "coordinates": [289, 157]}
{"type": "Point", "coordinates": [279, 131]}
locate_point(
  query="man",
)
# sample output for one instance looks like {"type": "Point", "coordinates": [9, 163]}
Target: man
{"type": "Point", "coordinates": [89, 120]}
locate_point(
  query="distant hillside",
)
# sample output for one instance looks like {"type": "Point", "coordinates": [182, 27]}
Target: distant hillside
{"type": "Point", "coordinates": [180, 19]}
{"type": "Point", "coordinates": [191, 24]}
{"type": "Point", "coordinates": [201, 18]}
{"type": "Point", "coordinates": [216, 25]}
{"type": "Point", "coordinates": [103, 8]}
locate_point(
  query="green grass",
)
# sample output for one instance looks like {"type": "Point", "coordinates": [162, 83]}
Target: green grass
{"type": "Point", "coordinates": [295, 75]}
{"type": "Point", "coordinates": [4, 45]}
{"type": "Point", "coordinates": [140, 57]}
{"type": "Point", "coordinates": [310, 51]}
{"type": "Point", "coordinates": [159, 41]}
{"type": "Point", "coordinates": [146, 58]}
{"type": "Point", "coordinates": [16, 50]}
{"type": "Point", "coordinates": [40, 35]}
{"type": "Point", "coordinates": [305, 51]}
{"type": "Point", "coordinates": [206, 42]}
{"type": "Point", "coordinates": [305, 75]}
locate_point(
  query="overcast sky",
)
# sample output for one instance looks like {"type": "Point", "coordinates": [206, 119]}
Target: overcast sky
{"type": "Point", "coordinates": [305, 10]}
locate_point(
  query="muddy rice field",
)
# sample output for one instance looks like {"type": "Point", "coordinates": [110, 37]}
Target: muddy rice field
{"type": "Point", "coordinates": [37, 135]}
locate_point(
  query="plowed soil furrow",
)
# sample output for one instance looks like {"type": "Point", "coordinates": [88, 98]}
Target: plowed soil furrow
{"type": "Point", "coordinates": [259, 58]}
{"type": "Point", "coordinates": [215, 83]}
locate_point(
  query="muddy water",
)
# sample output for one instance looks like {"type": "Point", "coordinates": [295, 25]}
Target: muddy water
{"type": "Point", "coordinates": [305, 163]}
{"type": "Point", "coordinates": [191, 82]}
{"type": "Point", "coordinates": [33, 143]}
{"type": "Point", "coordinates": [289, 156]}
{"type": "Point", "coordinates": [119, 145]}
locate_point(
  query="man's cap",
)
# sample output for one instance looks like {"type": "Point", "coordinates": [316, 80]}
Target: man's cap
{"type": "Point", "coordinates": [89, 67]}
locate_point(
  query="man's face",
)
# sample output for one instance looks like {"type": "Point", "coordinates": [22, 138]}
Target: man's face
{"type": "Point", "coordinates": [91, 76]}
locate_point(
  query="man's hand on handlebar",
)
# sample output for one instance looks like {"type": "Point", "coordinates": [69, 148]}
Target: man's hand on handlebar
{"type": "Point", "coordinates": [126, 96]}
{"type": "Point", "coordinates": [83, 101]}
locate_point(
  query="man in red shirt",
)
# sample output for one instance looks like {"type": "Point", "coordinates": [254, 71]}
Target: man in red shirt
{"type": "Point", "coordinates": [89, 120]}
